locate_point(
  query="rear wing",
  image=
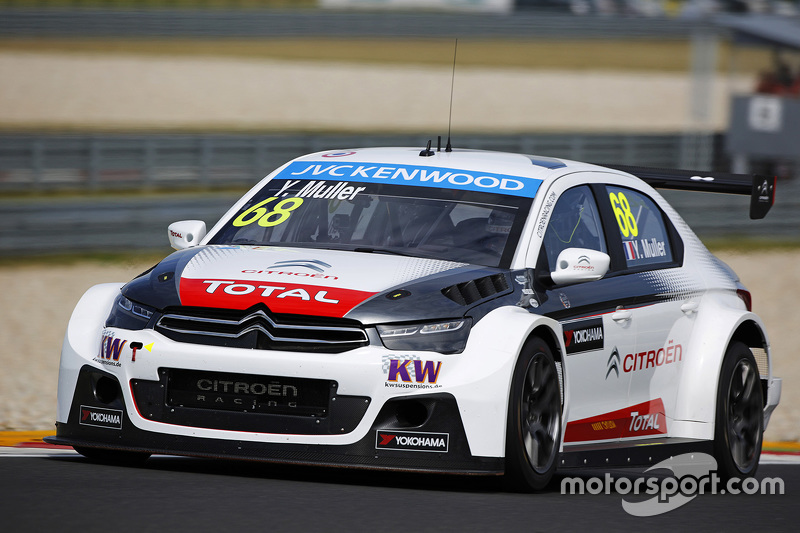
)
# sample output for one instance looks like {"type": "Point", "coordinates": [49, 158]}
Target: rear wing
{"type": "Point", "coordinates": [761, 189]}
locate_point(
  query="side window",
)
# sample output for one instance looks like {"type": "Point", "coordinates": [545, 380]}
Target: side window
{"type": "Point", "coordinates": [575, 223]}
{"type": "Point", "coordinates": [640, 222]}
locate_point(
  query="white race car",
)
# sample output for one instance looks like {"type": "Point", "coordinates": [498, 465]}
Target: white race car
{"type": "Point", "coordinates": [451, 311]}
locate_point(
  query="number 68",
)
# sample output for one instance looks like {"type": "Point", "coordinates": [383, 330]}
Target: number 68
{"type": "Point", "coordinates": [268, 218]}
{"type": "Point", "coordinates": [622, 211]}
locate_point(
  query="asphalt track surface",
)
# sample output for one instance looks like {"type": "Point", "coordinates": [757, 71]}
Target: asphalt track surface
{"type": "Point", "coordinates": [59, 490]}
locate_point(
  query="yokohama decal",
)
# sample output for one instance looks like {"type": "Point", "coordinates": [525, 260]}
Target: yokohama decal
{"type": "Point", "coordinates": [411, 441]}
{"type": "Point", "coordinates": [100, 417]}
{"type": "Point", "coordinates": [638, 420]}
{"type": "Point", "coordinates": [583, 335]}
{"type": "Point", "coordinates": [279, 297]}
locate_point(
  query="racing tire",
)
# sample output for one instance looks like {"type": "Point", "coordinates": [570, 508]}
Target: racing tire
{"type": "Point", "coordinates": [739, 422]}
{"type": "Point", "coordinates": [533, 434]}
{"type": "Point", "coordinates": [107, 456]}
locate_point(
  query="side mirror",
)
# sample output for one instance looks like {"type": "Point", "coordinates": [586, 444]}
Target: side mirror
{"type": "Point", "coordinates": [577, 265]}
{"type": "Point", "coordinates": [186, 233]}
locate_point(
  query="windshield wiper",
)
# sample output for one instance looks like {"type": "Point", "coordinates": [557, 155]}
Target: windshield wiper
{"type": "Point", "coordinates": [371, 250]}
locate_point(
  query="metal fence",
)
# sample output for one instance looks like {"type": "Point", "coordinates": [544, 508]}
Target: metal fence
{"type": "Point", "coordinates": [42, 223]}
{"type": "Point", "coordinates": [108, 162]}
{"type": "Point", "coordinates": [260, 23]}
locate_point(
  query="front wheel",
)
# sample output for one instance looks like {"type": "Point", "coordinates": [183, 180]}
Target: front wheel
{"type": "Point", "coordinates": [533, 435]}
{"type": "Point", "coordinates": [740, 414]}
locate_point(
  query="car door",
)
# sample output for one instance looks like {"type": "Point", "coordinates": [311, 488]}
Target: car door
{"type": "Point", "coordinates": [664, 311]}
{"type": "Point", "coordinates": [596, 334]}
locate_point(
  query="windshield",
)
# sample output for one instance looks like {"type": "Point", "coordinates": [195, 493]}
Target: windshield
{"type": "Point", "coordinates": [455, 225]}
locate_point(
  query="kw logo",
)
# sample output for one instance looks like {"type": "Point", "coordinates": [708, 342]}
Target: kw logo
{"type": "Point", "coordinates": [311, 264]}
{"type": "Point", "coordinates": [423, 370]}
{"type": "Point", "coordinates": [613, 363]}
{"type": "Point", "coordinates": [111, 347]}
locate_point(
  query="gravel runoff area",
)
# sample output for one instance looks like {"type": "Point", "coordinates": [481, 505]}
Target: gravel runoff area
{"type": "Point", "coordinates": [38, 301]}
{"type": "Point", "coordinates": [132, 92]}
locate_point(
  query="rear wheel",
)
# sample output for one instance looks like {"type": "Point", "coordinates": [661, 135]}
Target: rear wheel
{"type": "Point", "coordinates": [533, 435]}
{"type": "Point", "coordinates": [740, 414]}
{"type": "Point", "coordinates": [105, 455]}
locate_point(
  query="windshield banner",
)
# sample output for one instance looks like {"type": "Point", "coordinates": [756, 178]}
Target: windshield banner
{"type": "Point", "coordinates": [422, 176]}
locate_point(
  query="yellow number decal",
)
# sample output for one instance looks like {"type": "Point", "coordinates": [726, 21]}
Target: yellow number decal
{"type": "Point", "coordinates": [265, 217]}
{"type": "Point", "coordinates": [622, 211]}
{"type": "Point", "coordinates": [257, 212]}
{"type": "Point", "coordinates": [282, 213]}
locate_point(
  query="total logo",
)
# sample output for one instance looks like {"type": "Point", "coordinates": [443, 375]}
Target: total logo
{"type": "Point", "coordinates": [412, 441]}
{"type": "Point", "coordinates": [265, 291]}
{"type": "Point", "coordinates": [280, 297]}
{"type": "Point", "coordinates": [644, 419]}
{"type": "Point", "coordinates": [644, 422]}
{"type": "Point", "coordinates": [100, 417]}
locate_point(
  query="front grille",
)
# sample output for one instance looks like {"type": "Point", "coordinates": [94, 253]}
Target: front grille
{"type": "Point", "coordinates": [248, 402]}
{"type": "Point", "coordinates": [258, 328]}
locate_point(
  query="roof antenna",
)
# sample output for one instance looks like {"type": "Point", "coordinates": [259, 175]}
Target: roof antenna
{"type": "Point", "coordinates": [449, 147]}
{"type": "Point", "coordinates": [427, 152]}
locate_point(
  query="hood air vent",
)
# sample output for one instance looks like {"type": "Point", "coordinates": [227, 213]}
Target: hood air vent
{"type": "Point", "coordinates": [477, 289]}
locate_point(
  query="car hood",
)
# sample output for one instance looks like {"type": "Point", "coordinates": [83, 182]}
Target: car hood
{"type": "Point", "coordinates": [317, 282]}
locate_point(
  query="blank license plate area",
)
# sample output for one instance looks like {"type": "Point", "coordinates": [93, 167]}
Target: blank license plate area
{"type": "Point", "coordinates": [248, 393]}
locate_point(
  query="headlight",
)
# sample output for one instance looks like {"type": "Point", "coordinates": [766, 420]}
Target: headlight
{"type": "Point", "coordinates": [449, 336]}
{"type": "Point", "coordinates": [127, 314]}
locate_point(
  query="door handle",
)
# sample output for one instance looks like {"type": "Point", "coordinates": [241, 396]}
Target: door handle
{"type": "Point", "coordinates": [621, 315]}
{"type": "Point", "coordinates": [690, 307]}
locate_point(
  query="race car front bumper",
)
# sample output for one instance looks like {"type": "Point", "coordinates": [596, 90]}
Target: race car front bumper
{"type": "Point", "coordinates": [373, 407]}
{"type": "Point", "coordinates": [438, 444]}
